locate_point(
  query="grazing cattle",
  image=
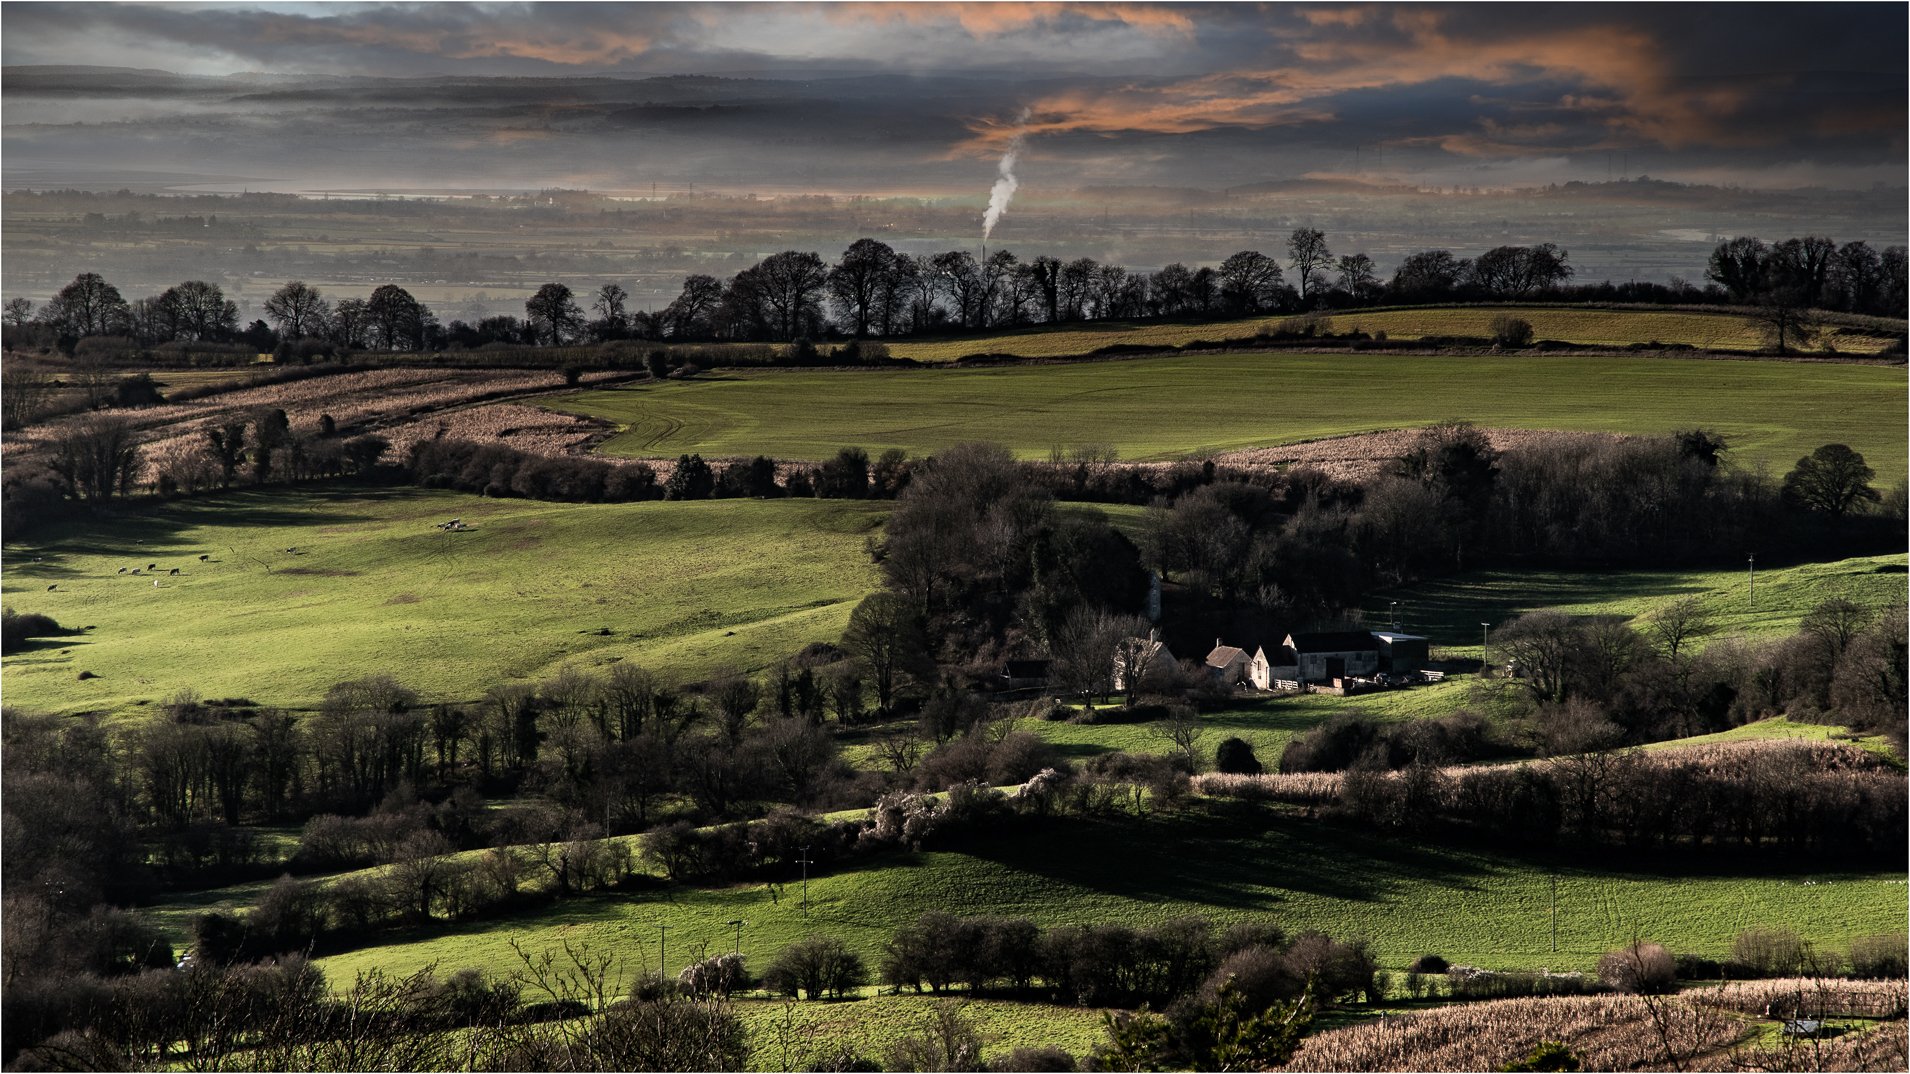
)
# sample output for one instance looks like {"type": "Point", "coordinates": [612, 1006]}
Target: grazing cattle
{"type": "Point", "coordinates": [293, 551]}
{"type": "Point", "coordinates": [52, 587]}
{"type": "Point", "coordinates": [202, 559]}
{"type": "Point", "coordinates": [135, 570]}
{"type": "Point", "coordinates": [152, 566]}
{"type": "Point", "coordinates": [175, 570]}
{"type": "Point", "coordinates": [122, 570]}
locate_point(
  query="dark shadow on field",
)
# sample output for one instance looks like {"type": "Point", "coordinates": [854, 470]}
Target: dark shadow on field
{"type": "Point", "coordinates": [150, 532]}
{"type": "Point", "coordinates": [71, 639]}
{"type": "Point", "coordinates": [1237, 861]}
{"type": "Point", "coordinates": [1277, 714]}
{"type": "Point", "coordinates": [1450, 611]}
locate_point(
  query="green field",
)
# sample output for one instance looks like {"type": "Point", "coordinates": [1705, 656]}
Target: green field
{"type": "Point", "coordinates": [786, 1035]}
{"type": "Point", "coordinates": [1773, 412]}
{"type": "Point", "coordinates": [683, 587]}
{"type": "Point", "coordinates": [1471, 906]}
{"type": "Point", "coordinates": [1566, 324]}
{"type": "Point", "coordinates": [1267, 725]}
{"type": "Point", "coordinates": [1450, 610]}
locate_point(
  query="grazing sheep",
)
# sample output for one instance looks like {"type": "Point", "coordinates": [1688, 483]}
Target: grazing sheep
{"type": "Point", "coordinates": [293, 551]}
{"type": "Point", "coordinates": [175, 570]}
{"type": "Point", "coordinates": [155, 583]}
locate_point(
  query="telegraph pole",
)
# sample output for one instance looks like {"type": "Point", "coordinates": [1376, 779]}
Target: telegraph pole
{"type": "Point", "coordinates": [805, 880]}
{"type": "Point", "coordinates": [663, 936]}
{"type": "Point", "coordinates": [738, 924]}
{"type": "Point", "coordinates": [1485, 647]}
{"type": "Point", "coordinates": [1751, 567]}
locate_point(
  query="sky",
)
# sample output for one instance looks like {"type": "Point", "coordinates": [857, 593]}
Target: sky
{"type": "Point", "coordinates": [911, 96]}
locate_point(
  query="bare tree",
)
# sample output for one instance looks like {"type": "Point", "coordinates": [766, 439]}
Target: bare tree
{"type": "Point", "coordinates": [1182, 729]}
{"type": "Point", "coordinates": [1784, 319]}
{"type": "Point", "coordinates": [612, 321]}
{"type": "Point", "coordinates": [27, 393]}
{"type": "Point", "coordinates": [1679, 623]}
{"type": "Point", "coordinates": [298, 309]}
{"type": "Point", "coordinates": [97, 457]}
{"type": "Point", "coordinates": [1309, 258]}
{"type": "Point", "coordinates": [554, 309]}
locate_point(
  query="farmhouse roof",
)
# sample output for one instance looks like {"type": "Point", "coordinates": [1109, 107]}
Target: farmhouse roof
{"type": "Point", "coordinates": [1224, 655]}
{"type": "Point", "coordinates": [1391, 636]}
{"type": "Point", "coordinates": [1335, 641]}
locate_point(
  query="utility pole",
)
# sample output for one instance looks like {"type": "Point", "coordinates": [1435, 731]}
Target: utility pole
{"type": "Point", "coordinates": [805, 880]}
{"type": "Point", "coordinates": [1485, 648]}
{"type": "Point", "coordinates": [1751, 561]}
{"type": "Point", "coordinates": [738, 924]}
{"type": "Point", "coordinates": [663, 936]}
{"type": "Point", "coordinates": [1394, 614]}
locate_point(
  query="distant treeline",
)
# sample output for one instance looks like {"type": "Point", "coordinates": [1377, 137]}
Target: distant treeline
{"type": "Point", "coordinates": [873, 290]}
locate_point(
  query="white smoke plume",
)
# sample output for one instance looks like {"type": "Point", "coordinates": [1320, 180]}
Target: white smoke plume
{"type": "Point", "coordinates": [1005, 186]}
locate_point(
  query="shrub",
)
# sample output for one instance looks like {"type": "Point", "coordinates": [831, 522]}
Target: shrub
{"type": "Point", "coordinates": [1511, 331]}
{"type": "Point", "coordinates": [1549, 1055]}
{"type": "Point", "coordinates": [17, 629]}
{"type": "Point", "coordinates": [1045, 1057]}
{"type": "Point", "coordinates": [1641, 968]}
{"type": "Point", "coordinates": [1698, 968]}
{"type": "Point", "coordinates": [664, 1035]}
{"type": "Point", "coordinates": [1762, 952]}
{"type": "Point", "coordinates": [1879, 955]}
{"type": "Point", "coordinates": [1429, 964]}
{"type": "Point", "coordinates": [471, 999]}
{"type": "Point", "coordinates": [718, 975]}
{"type": "Point", "coordinates": [1235, 756]}
{"type": "Point", "coordinates": [816, 967]}
{"type": "Point", "coordinates": [137, 390]}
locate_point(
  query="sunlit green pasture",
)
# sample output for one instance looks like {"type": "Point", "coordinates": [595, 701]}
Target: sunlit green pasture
{"type": "Point", "coordinates": [1472, 906]}
{"type": "Point", "coordinates": [1193, 405]}
{"type": "Point", "coordinates": [1566, 324]}
{"type": "Point", "coordinates": [1450, 610]}
{"type": "Point", "coordinates": [304, 588]}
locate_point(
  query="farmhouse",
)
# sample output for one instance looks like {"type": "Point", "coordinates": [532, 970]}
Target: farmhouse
{"type": "Point", "coordinates": [1317, 657]}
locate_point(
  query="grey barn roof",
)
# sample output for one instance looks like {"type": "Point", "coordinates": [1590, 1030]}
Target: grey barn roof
{"type": "Point", "coordinates": [1336, 641]}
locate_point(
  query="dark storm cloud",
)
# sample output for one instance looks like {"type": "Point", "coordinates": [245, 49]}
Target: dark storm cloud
{"type": "Point", "coordinates": [1791, 93]}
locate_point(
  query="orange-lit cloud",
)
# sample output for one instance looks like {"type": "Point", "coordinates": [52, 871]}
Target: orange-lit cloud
{"type": "Point", "coordinates": [994, 19]}
{"type": "Point", "coordinates": [1626, 78]}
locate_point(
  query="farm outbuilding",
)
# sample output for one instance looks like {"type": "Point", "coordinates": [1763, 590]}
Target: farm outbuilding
{"type": "Point", "coordinates": [1335, 654]}
{"type": "Point", "coordinates": [1229, 664]}
{"type": "Point", "coordinates": [1402, 654]}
